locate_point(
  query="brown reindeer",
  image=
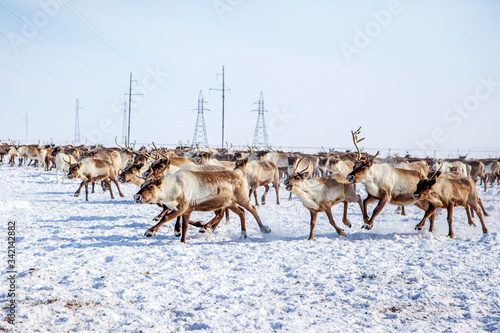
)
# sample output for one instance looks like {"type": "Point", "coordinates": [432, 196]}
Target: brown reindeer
{"type": "Point", "coordinates": [449, 192]}
{"type": "Point", "coordinates": [92, 170]}
{"type": "Point", "coordinates": [384, 183]}
{"type": "Point", "coordinates": [187, 191]}
{"type": "Point", "coordinates": [206, 158]}
{"type": "Point", "coordinates": [259, 173]}
{"type": "Point", "coordinates": [278, 158]}
{"type": "Point", "coordinates": [321, 193]}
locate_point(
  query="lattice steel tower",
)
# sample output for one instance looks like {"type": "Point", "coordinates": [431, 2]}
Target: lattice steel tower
{"type": "Point", "coordinates": [77, 122]}
{"type": "Point", "coordinates": [260, 135]}
{"type": "Point", "coordinates": [200, 131]}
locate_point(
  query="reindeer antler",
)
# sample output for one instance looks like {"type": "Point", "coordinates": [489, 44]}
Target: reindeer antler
{"type": "Point", "coordinates": [118, 143]}
{"type": "Point", "coordinates": [297, 165]}
{"type": "Point", "coordinates": [158, 151]}
{"type": "Point", "coordinates": [435, 172]}
{"type": "Point", "coordinates": [378, 153]}
{"type": "Point", "coordinates": [356, 141]}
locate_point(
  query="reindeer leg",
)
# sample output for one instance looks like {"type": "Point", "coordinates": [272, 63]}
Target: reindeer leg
{"type": "Point", "coordinates": [314, 214]}
{"type": "Point", "coordinates": [430, 211]}
{"type": "Point", "coordinates": [480, 202]}
{"type": "Point", "coordinates": [450, 221]}
{"type": "Point", "coordinates": [87, 192]}
{"type": "Point", "coordinates": [369, 199]}
{"type": "Point", "coordinates": [170, 216]}
{"type": "Point", "coordinates": [185, 225]}
{"type": "Point", "coordinates": [241, 214]}
{"type": "Point", "coordinates": [340, 232]}
{"type": "Point", "coordinates": [113, 179]}
{"type": "Point", "coordinates": [93, 187]}
{"type": "Point", "coordinates": [108, 184]}
{"type": "Point", "coordinates": [254, 190]}
{"type": "Point", "coordinates": [359, 201]}
{"type": "Point", "coordinates": [344, 217]}
{"type": "Point", "coordinates": [469, 217]}
{"type": "Point", "coordinates": [177, 226]}
{"type": "Point", "coordinates": [213, 223]}
{"type": "Point", "coordinates": [290, 197]}
{"type": "Point", "coordinates": [104, 186]}
{"type": "Point", "coordinates": [276, 186]}
{"type": "Point", "coordinates": [381, 204]}
{"type": "Point", "coordinates": [77, 193]}
{"type": "Point", "coordinates": [228, 219]}
{"type": "Point", "coordinates": [164, 211]}
{"type": "Point", "coordinates": [403, 211]}
{"type": "Point", "coordinates": [265, 194]}
{"type": "Point", "coordinates": [248, 206]}
{"type": "Point", "coordinates": [480, 215]}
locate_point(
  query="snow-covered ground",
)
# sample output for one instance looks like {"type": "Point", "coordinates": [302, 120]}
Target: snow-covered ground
{"type": "Point", "coordinates": [86, 266]}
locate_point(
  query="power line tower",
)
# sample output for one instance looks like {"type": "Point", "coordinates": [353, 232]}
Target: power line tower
{"type": "Point", "coordinates": [223, 102]}
{"type": "Point", "coordinates": [130, 107]}
{"type": "Point", "coordinates": [77, 122]}
{"type": "Point", "coordinates": [200, 131]}
{"type": "Point", "coordinates": [124, 128]}
{"type": "Point", "coordinates": [260, 135]}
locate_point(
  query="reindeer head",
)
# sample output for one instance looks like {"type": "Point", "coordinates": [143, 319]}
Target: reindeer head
{"type": "Point", "coordinates": [157, 168]}
{"type": "Point", "coordinates": [236, 156]}
{"type": "Point", "coordinates": [241, 164]}
{"type": "Point", "coordinates": [131, 171]}
{"type": "Point", "coordinates": [149, 191]}
{"type": "Point", "coordinates": [360, 169]}
{"type": "Point", "coordinates": [261, 154]}
{"type": "Point", "coordinates": [424, 187]}
{"type": "Point", "coordinates": [74, 170]}
{"type": "Point", "coordinates": [203, 157]}
{"type": "Point", "coordinates": [295, 179]}
{"type": "Point", "coordinates": [361, 165]}
{"type": "Point", "coordinates": [55, 151]}
{"type": "Point", "coordinates": [140, 158]}
{"type": "Point", "coordinates": [332, 163]}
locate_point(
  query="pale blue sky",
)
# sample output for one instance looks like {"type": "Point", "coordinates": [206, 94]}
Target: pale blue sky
{"type": "Point", "coordinates": [422, 58]}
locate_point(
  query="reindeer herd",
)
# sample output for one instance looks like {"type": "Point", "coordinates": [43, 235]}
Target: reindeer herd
{"type": "Point", "coordinates": [187, 179]}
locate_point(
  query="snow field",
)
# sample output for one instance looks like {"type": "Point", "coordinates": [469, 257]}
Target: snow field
{"type": "Point", "coordinates": [86, 266]}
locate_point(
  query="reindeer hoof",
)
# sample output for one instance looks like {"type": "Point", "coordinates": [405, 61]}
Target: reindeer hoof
{"type": "Point", "coordinates": [177, 233]}
{"type": "Point", "coordinates": [150, 233]}
{"type": "Point", "coordinates": [347, 223]}
{"type": "Point", "coordinates": [202, 230]}
{"type": "Point", "coordinates": [243, 235]}
{"type": "Point", "coordinates": [367, 226]}
{"type": "Point", "coordinates": [265, 230]}
{"type": "Point", "coordinates": [76, 194]}
{"type": "Point", "coordinates": [122, 195]}
{"type": "Point", "coordinates": [156, 218]}
{"type": "Point", "coordinates": [341, 233]}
